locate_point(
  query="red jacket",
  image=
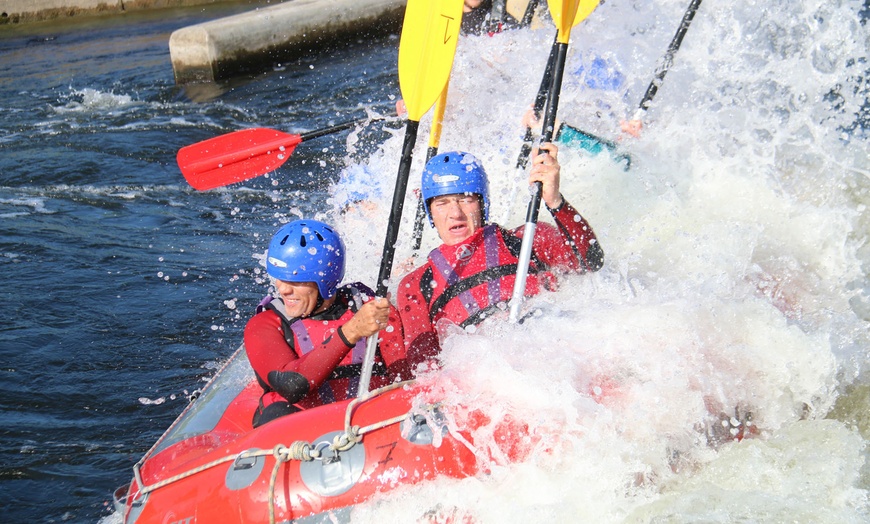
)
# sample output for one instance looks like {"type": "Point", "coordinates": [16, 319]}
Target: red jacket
{"type": "Point", "coordinates": [312, 365]}
{"type": "Point", "coordinates": [464, 283]}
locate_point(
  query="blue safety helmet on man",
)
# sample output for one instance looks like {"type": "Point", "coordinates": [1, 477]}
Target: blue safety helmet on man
{"type": "Point", "coordinates": [455, 173]}
{"type": "Point", "coordinates": [307, 251]}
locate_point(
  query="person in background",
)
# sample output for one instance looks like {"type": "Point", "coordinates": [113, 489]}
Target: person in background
{"type": "Point", "coordinates": [471, 275]}
{"type": "Point", "coordinates": [306, 346]}
{"type": "Point", "coordinates": [604, 85]}
{"type": "Point", "coordinates": [478, 18]}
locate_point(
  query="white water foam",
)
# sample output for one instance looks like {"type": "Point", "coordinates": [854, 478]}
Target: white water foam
{"type": "Point", "coordinates": [733, 277]}
{"type": "Point", "coordinates": [89, 100]}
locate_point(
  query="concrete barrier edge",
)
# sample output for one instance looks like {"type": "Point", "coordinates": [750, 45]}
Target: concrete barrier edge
{"type": "Point", "coordinates": [28, 11]}
{"type": "Point", "coordinates": [250, 41]}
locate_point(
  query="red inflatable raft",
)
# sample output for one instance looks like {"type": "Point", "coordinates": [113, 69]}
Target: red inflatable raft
{"type": "Point", "coordinates": [212, 466]}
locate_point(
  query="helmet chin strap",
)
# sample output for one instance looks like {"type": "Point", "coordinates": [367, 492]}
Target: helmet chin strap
{"type": "Point", "coordinates": [482, 214]}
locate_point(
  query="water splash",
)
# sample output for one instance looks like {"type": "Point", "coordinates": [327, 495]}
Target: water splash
{"type": "Point", "coordinates": [731, 291]}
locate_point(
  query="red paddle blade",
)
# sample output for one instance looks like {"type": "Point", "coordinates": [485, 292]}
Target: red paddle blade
{"type": "Point", "coordinates": [235, 157]}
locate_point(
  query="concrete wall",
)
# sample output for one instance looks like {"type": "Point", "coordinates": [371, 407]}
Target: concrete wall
{"type": "Point", "coordinates": [245, 43]}
{"type": "Point", "coordinates": [24, 11]}
{"type": "Point", "coordinates": [250, 41]}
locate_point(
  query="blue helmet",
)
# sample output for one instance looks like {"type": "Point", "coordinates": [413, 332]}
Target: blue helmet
{"type": "Point", "coordinates": [453, 173]}
{"type": "Point", "coordinates": [307, 251]}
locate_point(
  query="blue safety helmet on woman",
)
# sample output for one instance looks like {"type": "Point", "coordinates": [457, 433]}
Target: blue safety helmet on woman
{"type": "Point", "coordinates": [455, 173]}
{"type": "Point", "coordinates": [307, 251]}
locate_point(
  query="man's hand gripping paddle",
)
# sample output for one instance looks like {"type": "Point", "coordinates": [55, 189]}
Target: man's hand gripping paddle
{"type": "Point", "coordinates": [565, 14]}
{"type": "Point", "coordinates": [540, 99]}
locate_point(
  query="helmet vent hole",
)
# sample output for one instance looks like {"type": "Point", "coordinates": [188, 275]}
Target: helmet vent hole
{"type": "Point", "coordinates": [319, 236]}
{"type": "Point", "coordinates": [284, 240]}
{"type": "Point", "coordinates": [302, 241]}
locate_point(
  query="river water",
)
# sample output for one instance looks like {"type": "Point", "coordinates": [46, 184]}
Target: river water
{"type": "Point", "coordinates": [735, 280]}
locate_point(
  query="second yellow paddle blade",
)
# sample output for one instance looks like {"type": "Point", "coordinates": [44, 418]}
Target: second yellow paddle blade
{"type": "Point", "coordinates": [568, 13]}
{"type": "Point", "coordinates": [429, 36]}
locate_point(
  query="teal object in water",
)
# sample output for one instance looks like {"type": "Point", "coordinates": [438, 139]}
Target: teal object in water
{"type": "Point", "coordinates": [573, 137]}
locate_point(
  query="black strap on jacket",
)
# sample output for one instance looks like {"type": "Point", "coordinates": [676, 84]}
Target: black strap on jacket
{"type": "Point", "coordinates": [513, 244]}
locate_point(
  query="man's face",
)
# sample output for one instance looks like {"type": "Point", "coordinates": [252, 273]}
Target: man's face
{"type": "Point", "coordinates": [456, 217]}
{"type": "Point", "coordinates": [300, 298]}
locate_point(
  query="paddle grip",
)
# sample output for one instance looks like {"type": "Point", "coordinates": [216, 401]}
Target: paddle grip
{"type": "Point", "coordinates": [535, 201]}
{"type": "Point", "coordinates": [561, 54]}
{"type": "Point", "coordinates": [390, 245]}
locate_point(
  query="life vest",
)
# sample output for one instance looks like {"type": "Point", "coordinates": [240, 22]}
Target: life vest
{"type": "Point", "coordinates": [350, 297]}
{"type": "Point", "coordinates": [478, 278]}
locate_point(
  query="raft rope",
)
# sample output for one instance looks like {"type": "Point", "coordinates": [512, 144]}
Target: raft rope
{"type": "Point", "coordinates": [303, 451]}
{"type": "Point", "coordinates": [300, 450]}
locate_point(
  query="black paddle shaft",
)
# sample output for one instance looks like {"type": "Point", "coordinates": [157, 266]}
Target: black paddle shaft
{"type": "Point", "coordinates": [421, 207]}
{"type": "Point", "coordinates": [668, 60]}
{"type": "Point", "coordinates": [396, 210]}
{"type": "Point", "coordinates": [540, 100]}
{"type": "Point", "coordinates": [334, 129]}
{"type": "Point", "coordinates": [529, 13]}
{"type": "Point", "coordinates": [549, 123]}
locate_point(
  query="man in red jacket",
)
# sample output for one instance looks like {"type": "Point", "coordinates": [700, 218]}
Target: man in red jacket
{"type": "Point", "coordinates": [471, 275]}
{"type": "Point", "coordinates": [307, 346]}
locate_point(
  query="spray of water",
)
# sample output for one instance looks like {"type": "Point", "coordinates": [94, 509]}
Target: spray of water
{"type": "Point", "coordinates": [733, 300]}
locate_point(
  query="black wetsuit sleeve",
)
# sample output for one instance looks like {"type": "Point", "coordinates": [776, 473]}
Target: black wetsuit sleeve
{"type": "Point", "coordinates": [289, 384]}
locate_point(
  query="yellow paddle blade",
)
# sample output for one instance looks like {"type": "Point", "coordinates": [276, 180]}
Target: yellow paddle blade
{"type": "Point", "coordinates": [568, 13]}
{"type": "Point", "coordinates": [429, 36]}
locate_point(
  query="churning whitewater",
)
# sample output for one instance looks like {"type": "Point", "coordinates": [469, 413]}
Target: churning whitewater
{"type": "Point", "coordinates": [733, 296]}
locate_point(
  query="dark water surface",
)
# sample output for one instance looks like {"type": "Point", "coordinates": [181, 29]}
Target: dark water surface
{"type": "Point", "coordinates": [114, 271]}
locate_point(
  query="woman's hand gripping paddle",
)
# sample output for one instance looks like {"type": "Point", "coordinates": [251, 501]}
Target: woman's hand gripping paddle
{"type": "Point", "coordinates": [426, 49]}
{"type": "Point", "coordinates": [240, 155]}
{"type": "Point", "coordinates": [565, 14]}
